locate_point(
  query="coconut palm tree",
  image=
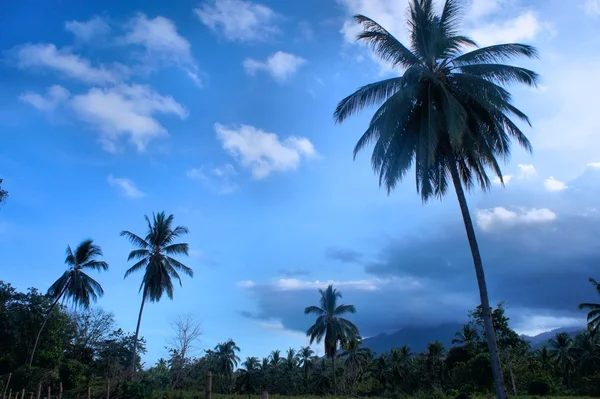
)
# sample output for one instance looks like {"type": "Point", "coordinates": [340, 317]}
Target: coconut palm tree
{"type": "Point", "coordinates": [561, 353]}
{"type": "Point", "coordinates": [586, 349]}
{"type": "Point", "coordinates": [226, 352]}
{"type": "Point", "coordinates": [154, 254]}
{"type": "Point", "coordinates": [75, 285]}
{"type": "Point", "coordinates": [306, 362]}
{"type": "Point", "coordinates": [356, 358]}
{"type": "Point", "coordinates": [330, 327]}
{"type": "Point", "coordinates": [249, 375]}
{"type": "Point", "coordinates": [593, 316]}
{"type": "Point", "coordinates": [448, 115]}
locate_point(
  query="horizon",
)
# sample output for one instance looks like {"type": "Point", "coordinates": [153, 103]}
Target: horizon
{"type": "Point", "coordinates": [220, 112]}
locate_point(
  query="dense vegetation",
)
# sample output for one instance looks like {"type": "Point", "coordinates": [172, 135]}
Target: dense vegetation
{"type": "Point", "coordinates": [85, 347]}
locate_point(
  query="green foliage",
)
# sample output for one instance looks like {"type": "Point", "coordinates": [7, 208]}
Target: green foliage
{"type": "Point", "coordinates": [72, 373]}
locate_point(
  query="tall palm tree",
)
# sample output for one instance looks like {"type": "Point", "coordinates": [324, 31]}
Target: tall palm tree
{"type": "Point", "coordinates": [448, 114]}
{"type": "Point", "coordinates": [226, 352]}
{"type": "Point", "coordinates": [330, 327]}
{"type": "Point", "coordinates": [561, 353]}
{"type": "Point", "coordinates": [75, 285]}
{"type": "Point", "coordinates": [593, 316]}
{"type": "Point", "coordinates": [155, 254]}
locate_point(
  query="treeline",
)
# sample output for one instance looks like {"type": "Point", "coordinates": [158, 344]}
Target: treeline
{"type": "Point", "coordinates": [87, 349]}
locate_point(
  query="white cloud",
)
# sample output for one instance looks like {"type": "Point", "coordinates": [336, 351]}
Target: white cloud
{"type": "Point", "coordinates": [239, 20]}
{"type": "Point", "coordinates": [246, 284]}
{"type": "Point", "coordinates": [595, 165]}
{"type": "Point", "coordinates": [125, 110]}
{"type": "Point", "coordinates": [263, 152]}
{"type": "Point", "coordinates": [552, 184]}
{"type": "Point", "coordinates": [278, 326]}
{"type": "Point", "coordinates": [159, 37]}
{"type": "Point", "coordinates": [56, 96]}
{"type": "Point", "coordinates": [523, 28]}
{"type": "Point", "coordinates": [506, 178]}
{"type": "Point", "coordinates": [280, 65]}
{"type": "Point", "coordinates": [94, 29]}
{"type": "Point", "coordinates": [592, 8]}
{"type": "Point", "coordinates": [219, 179]}
{"type": "Point", "coordinates": [500, 217]}
{"type": "Point", "coordinates": [526, 171]}
{"type": "Point", "coordinates": [127, 187]}
{"type": "Point", "coordinates": [68, 64]}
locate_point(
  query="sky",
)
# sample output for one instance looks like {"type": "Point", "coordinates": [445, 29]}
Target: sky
{"type": "Point", "coordinates": [220, 112]}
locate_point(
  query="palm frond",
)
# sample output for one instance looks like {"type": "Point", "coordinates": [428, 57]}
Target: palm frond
{"type": "Point", "coordinates": [502, 74]}
{"type": "Point", "coordinates": [135, 239]}
{"type": "Point", "coordinates": [314, 309]}
{"type": "Point", "coordinates": [139, 265]}
{"type": "Point", "coordinates": [384, 44]}
{"type": "Point", "coordinates": [138, 254]}
{"type": "Point", "coordinates": [496, 53]}
{"type": "Point", "coordinates": [177, 249]}
{"type": "Point", "coordinates": [366, 96]}
{"type": "Point", "coordinates": [180, 266]}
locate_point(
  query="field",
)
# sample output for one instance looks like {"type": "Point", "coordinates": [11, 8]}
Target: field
{"type": "Point", "coordinates": [200, 395]}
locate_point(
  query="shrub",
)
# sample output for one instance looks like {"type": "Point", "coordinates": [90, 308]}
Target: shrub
{"type": "Point", "coordinates": [463, 395]}
{"type": "Point", "coordinates": [539, 386]}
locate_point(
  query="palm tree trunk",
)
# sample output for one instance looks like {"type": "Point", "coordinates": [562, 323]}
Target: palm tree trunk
{"type": "Point", "coordinates": [501, 392]}
{"type": "Point", "coordinates": [333, 369]}
{"type": "Point", "coordinates": [137, 333]}
{"type": "Point", "coordinates": [39, 334]}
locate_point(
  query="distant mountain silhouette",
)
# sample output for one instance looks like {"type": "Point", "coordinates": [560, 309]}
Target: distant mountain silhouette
{"type": "Point", "coordinates": [417, 338]}
{"type": "Point", "coordinates": [538, 340]}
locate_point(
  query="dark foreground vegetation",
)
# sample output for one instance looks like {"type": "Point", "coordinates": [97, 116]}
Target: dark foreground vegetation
{"type": "Point", "coordinates": [87, 349]}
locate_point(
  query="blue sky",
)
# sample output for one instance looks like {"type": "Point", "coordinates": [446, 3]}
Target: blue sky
{"type": "Point", "coordinates": [220, 112]}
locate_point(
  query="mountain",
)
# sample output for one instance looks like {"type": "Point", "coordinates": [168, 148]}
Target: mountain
{"type": "Point", "coordinates": [416, 338]}
{"type": "Point", "coordinates": [538, 340]}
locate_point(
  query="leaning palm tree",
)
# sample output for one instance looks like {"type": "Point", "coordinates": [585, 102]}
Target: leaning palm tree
{"type": "Point", "coordinates": [593, 316]}
{"type": "Point", "coordinates": [75, 285]}
{"type": "Point", "coordinates": [330, 327]}
{"type": "Point", "coordinates": [448, 114]}
{"type": "Point", "coordinates": [155, 255]}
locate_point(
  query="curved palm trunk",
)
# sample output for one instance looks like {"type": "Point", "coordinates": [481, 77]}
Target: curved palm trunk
{"type": "Point", "coordinates": [501, 392]}
{"type": "Point", "coordinates": [137, 333]}
{"type": "Point", "coordinates": [39, 334]}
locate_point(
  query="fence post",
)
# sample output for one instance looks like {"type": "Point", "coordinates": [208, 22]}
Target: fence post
{"type": "Point", "coordinates": [48, 391]}
{"type": "Point", "coordinates": [108, 388]}
{"type": "Point", "coordinates": [23, 393]}
{"type": "Point", "coordinates": [89, 391]}
{"type": "Point", "coordinates": [60, 390]}
{"type": "Point", "coordinates": [208, 386]}
{"type": "Point", "coordinates": [9, 393]}
{"type": "Point", "coordinates": [39, 391]}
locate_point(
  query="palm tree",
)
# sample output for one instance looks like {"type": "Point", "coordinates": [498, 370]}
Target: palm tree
{"type": "Point", "coordinates": [75, 285]}
{"type": "Point", "coordinates": [593, 316]}
{"type": "Point", "coordinates": [586, 349]}
{"type": "Point", "coordinates": [467, 338]}
{"type": "Point", "coordinates": [448, 114]}
{"type": "Point", "coordinates": [305, 354]}
{"type": "Point", "coordinates": [330, 327]}
{"type": "Point", "coordinates": [248, 375]}
{"type": "Point", "coordinates": [226, 352]}
{"type": "Point", "coordinates": [561, 353]}
{"type": "Point", "coordinates": [356, 357]}
{"type": "Point", "coordinates": [400, 361]}
{"type": "Point", "coordinates": [155, 254]}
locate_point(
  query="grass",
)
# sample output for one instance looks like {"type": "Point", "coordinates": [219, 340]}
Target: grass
{"type": "Point", "coordinates": [200, 395]}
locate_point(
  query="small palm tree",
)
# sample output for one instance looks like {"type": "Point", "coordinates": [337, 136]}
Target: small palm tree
{"type": "Point", "coordinates": [586, 350]}
{"type": "Point", "coordinates": [226, 352]}
{"type": "Point", "coordinates": [448, 115]}
{"type": "Point", "coordinates": [249, 375]}
{"type": "Point", "coordinates": [593, 316]}
{"type": "Point", "coordinates": [306, 362]}
{"type": "Point", "coordinates": [330, 327]}
{"type": "Point", "coordinates": [155, 255]}
{"type": "Point", "coordinates": [561, 353]}
{"type": "Point", "coordinates": [356, 358]}
{"type": "Point", "coordinates": [75, 285]}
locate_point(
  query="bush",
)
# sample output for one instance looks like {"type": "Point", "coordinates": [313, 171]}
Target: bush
{"type": "Point", "coordinates": [72, 374]}
{"type": "Point", "coordinates": [463, 395]}
{"type": "Point", "coordinates": [539, 386]}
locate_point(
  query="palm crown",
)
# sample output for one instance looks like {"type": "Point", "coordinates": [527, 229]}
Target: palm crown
{"type": "Point", "coordinates": [155, 253]}
{"type": "Point", "coordinates": [75, 285]}
{"type": "Point", "coordinates": [330, 327]}
{"type": "Point", "coordinates": [448, 110]}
